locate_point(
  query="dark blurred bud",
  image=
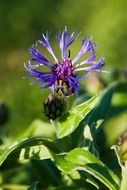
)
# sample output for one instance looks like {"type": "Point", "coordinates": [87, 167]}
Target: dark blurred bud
{"type": "Point", "coordinates": [119, 74]}
{"type": "Point", "coordinates": [54, 107]}
{"type": "Point", "coordinates": [4, 113]}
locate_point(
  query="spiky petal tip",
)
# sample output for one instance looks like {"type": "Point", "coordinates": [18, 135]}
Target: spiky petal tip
{"type": "Point", "coordinates": [63, 76]}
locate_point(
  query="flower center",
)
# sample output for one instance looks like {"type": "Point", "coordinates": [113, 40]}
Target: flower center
{"type": "Point", "coordinates": [64, 69]}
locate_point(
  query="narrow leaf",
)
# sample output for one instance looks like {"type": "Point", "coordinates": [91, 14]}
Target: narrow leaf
{"type": "Point", "coordinates": [104, 109]}
{"type": "Point", "coordinates": [33, 186]}
{"type": "Point", "coordinates": [70, 121]}
{"type": "Point", "coordinates": [17, 146]}
{"type": "Point", "coordinates": [80, 159]}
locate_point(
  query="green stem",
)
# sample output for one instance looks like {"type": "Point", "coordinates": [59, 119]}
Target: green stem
{"type": "Point", "coordinates": [124, 179]}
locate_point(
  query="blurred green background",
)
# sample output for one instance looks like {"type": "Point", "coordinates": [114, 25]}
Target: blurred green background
{"type": "Point", "coordinates": [22, 23]}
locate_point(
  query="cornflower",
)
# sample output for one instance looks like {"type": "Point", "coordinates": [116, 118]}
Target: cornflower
{"type": "Point", "coordinates": [63, 75]}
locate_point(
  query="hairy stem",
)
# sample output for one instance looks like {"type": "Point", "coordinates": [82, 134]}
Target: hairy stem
{"type": "Point", "coordinates": [124, 178]}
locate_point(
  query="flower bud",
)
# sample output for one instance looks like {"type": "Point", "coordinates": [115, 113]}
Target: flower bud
{"type": "Point", "coordinates": [123, 147]}
{"type": "Point", "coordinates": [54, 107]}
{"type": "Point", "coordinates": [4, 113]}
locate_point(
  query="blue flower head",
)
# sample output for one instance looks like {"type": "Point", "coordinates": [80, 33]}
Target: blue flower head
{"type": "Point", "coordinates": [63, 75]}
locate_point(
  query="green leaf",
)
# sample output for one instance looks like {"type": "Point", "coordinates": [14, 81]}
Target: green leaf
{"type": "Point", "coordinates": [47, 173]}
{"type": "Point", "coordinates": [38, 152]}
{"type": "Point", "coordinates": [92, 182]}
{"type": "Point", "coordinates": [13, 187]}
{"type": "Point", "coordinates": [38, 128]}
{"type": "Point", "coordinates": [116, 149]}
{"type": "Point", "coordinates": [33, 186]}
{"type": "Point", "coordinates": [70, 121]}
{"type": "Point", "coordinates": [107, 102]}
{"type": "Point", "coordinates": [27, 143]}
{"type": "Point", "coordinates": [62, 188]}
{"type": "Point", "coordinates": [115, 127]}
{"type": "Point", "coordinates": [80, 159]}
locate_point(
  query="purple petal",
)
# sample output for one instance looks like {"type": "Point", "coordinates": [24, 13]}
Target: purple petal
{"type": "Point", "coordinates": [65, 41]}
{"type": "Point", "coordinates": [45, 43]}
{"type": "Point", "coordinates": [47, 79]}
{"type": "Point", "coordinates": [38, 57]}
{"type": "Point", "coordinates": [74, 85]}
{"type": "Point", "coordinates": [95, 67]}
{"type": "Point", "coordinates": [86, 47]}
{"type": "Point", "coordinates": [90, 59]}
{"type": "Point", "coordinates": [84, 76]}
